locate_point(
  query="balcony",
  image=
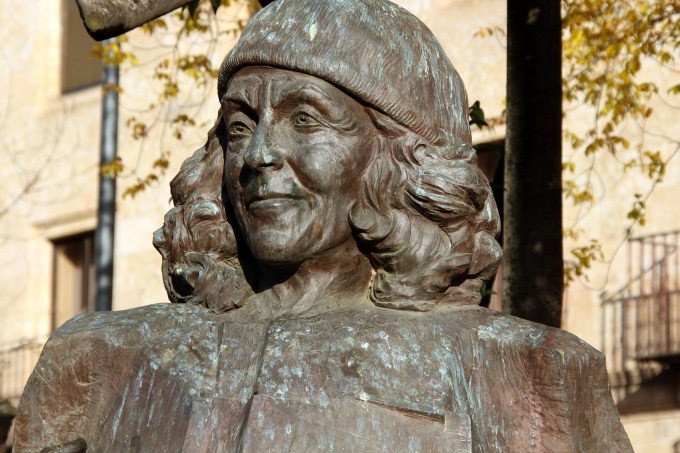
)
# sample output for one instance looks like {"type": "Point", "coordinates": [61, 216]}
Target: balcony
{"type": "Point", "coordinates": [641, 321]}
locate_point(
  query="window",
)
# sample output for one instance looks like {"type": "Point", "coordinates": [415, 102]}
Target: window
{"type": "Point", "coordinates": [78, 70]}
{"type": "Point", "coordinates": [73, 277]}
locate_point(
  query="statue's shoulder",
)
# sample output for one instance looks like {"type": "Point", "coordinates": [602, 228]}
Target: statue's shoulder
{"type": "Point", "coordinates": [140, 323]}
{"type": "Point", "coordinates": [98, 366]}
{"type": "Point", "coordinates": [506, 371]}
{"type": "Point", "coordinates": [476, 329]}
{"type": "Point", "coordinates": [491, 329]}
{"type": "Point", "coordinates": [516, 345]}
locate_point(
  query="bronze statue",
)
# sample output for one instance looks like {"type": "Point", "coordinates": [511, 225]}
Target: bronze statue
{"type": "Point", "coordinates": [328, 244]}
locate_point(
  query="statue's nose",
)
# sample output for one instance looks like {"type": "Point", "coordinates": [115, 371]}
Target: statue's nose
{"type": "Point", "coordinates": [263, 150]}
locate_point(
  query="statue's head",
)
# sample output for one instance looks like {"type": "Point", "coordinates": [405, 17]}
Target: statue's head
{"type": "Point", "coordinates": [343, 126]}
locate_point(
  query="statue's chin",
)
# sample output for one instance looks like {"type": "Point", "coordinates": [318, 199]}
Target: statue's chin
{"type": "Point", "coordinates": [290, 249]}
{"type": "Point", "coordinates": [277, 248]}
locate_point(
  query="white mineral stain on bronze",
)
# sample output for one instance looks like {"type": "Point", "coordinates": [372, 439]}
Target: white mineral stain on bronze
{"type": "Point", "coordinates": [501, 329]}
{"type": "Point", "coordinates": [384, 336]}
{"type": "Point", "coordinates": [244, 395]}
{"type": "Point", "coordinates": [281, 391]}
{"type": "Point", "coordinates": [323, 399]}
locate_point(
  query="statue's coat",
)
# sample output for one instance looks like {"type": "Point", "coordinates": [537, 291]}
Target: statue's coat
{"type": "Point", "coordinates": [176, 378]}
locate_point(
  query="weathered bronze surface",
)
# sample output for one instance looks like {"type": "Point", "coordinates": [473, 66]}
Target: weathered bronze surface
{"type": "Point", "coordinates": [108, 18]}
{"type": "Point", "coordinates": [326, 248]}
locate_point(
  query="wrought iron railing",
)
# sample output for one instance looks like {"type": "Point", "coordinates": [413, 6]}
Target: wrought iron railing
{"type": "Point", "coordinates": [16, 364]}
{"type": "Point", "coordinates": [641, 321]}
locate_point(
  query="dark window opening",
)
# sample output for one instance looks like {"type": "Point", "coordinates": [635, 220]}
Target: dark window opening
{"type": "Point", "coordinates": [73, 277]}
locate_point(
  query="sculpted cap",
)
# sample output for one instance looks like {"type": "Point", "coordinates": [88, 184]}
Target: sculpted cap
{"type": "Point", "coordinates": [373, 49]}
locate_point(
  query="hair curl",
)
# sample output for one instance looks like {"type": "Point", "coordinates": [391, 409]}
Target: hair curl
{"type": "Point", "coordinates": [425, 218]}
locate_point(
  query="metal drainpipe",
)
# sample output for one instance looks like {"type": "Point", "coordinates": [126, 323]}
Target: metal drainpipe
{"type": "Point", "coordinates": [106, 211]}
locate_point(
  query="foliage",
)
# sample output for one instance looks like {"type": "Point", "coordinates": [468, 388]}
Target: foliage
{"type": "Point", "coordinates": [606, 43]}
{"type": "Point", "coordinates": [582, 258]}
{"type": "Point", "coordinates": [112, 168]}
{"type": "Point", "coordinates": [184, 67]}
{"type": "Point", "coordinates": [113, 53]}
{"type": "Point", "coordinates": [178, 73]}
{"type": "Point", "coordinates": [159, 167]}
{"type": "Point", "coordinates": [606, 46]}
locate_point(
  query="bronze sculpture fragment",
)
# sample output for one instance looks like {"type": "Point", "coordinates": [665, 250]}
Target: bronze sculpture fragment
{"type": "Point", "coordinates": [327, 248]}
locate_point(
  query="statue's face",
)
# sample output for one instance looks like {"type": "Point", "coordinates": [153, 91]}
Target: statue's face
{"type": "Point", "coordinates": [297, 148]}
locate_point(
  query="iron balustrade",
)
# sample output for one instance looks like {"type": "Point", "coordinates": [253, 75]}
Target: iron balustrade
{"type": "Point", "coordinates": [16, 365]}
{"type": "Point", "coordinates": [641, 321]}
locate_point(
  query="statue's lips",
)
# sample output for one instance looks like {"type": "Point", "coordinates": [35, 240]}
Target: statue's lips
{"type": "Point", "coordinates": [272, 201]}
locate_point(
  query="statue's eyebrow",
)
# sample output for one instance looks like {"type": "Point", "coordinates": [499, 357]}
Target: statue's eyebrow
{"type": "Point", "coordinates": [244, 93]}
{"type": "Point", "coordinates": [239, 98]}
{"type": "Point", "coordinates": [306, 92]}
{"type": "Point", "coordinates": [238, 101]}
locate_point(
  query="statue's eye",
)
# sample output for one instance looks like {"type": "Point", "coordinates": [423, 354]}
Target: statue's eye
{"type": "Point", "coordinates": [303, 119]}
{"type": "Point", "coordinates": [238, 129]}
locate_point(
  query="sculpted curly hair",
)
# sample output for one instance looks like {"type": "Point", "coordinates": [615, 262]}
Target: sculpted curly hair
{"type": "Point", "coordinates": [425, 218]}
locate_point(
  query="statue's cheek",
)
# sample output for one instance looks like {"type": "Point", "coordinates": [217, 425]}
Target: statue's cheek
{"type": "Point", "coordinates": [233, 166]}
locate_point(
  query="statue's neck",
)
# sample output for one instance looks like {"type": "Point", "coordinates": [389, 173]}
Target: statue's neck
{"type": "Point", "coordinates": [337, 278]}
